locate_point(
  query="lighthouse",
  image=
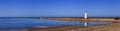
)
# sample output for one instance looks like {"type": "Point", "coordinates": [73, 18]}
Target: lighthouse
{"type": "Point", "coordinates": [85, 17]}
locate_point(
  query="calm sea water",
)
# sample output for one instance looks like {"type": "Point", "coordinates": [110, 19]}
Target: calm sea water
{"type": "Point", "coordinates": [25, 23]}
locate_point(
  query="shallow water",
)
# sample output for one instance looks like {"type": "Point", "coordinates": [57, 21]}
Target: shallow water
{"type": "Point", "coordinates": [26, 23]}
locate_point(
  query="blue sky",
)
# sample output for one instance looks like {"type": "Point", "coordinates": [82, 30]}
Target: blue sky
{"type": "Point", "coordinates": [59, 8]}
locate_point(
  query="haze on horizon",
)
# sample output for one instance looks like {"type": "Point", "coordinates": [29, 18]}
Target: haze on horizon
{"type": "Point", "coordinates": [59, 8]}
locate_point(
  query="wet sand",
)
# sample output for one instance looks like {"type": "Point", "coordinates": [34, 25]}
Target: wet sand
{"type": "Point", "coordinates": [62, 28]}
{"type": "Point", "coordinates": [110, 27]}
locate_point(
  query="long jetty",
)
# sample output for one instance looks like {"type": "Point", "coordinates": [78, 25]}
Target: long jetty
{"type": "Point", "coordinates": [84, 20]}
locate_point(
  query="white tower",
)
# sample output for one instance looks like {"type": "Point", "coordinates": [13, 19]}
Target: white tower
{"type": "Point", "coordinates": [85, 17]}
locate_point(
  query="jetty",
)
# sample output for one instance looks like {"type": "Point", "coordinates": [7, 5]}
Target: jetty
{"type": "Point", "coordinates": [84, 20]}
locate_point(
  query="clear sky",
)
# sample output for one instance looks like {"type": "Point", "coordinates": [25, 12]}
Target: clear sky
{"type": "Point", "coordinates": [59, 8]}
